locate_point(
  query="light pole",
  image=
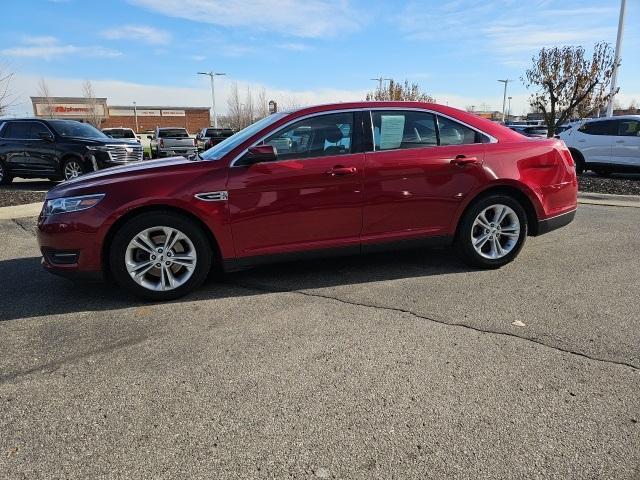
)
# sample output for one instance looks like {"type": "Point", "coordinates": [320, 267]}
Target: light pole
{"type": "Point", "coordinates": [504, 98]}
{"type": "Point", "coordinates": [380, 79]}
{"type": "Point", "coordinates": [616, 61]}
{"type": "Point", "coordinates": [211, 75]}
{"type": "Point", "coordinates": [509, 108]}
{"type": "Point", "coordinates": [135, 115]}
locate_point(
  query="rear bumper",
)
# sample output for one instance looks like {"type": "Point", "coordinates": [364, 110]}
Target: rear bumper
{"type": "Point", "coordinates": [553, 223]}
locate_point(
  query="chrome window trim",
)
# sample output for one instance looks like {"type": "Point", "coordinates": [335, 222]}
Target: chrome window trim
{"type": "Point", "coordinates": [5, 125]}
{"type": "Point", "coordinates": [491, 138]}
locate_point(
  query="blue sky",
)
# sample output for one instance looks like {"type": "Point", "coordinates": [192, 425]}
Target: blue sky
{"type": "Point", "coordinates": [301, 52]}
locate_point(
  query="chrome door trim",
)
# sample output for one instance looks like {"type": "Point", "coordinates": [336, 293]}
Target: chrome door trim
{"type": "Point", "coordinates": [219, 196]}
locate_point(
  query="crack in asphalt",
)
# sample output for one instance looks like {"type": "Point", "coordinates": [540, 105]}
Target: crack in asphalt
{"type": "Point", "coordinates": [51, 367]}
{"type": "Point", "coordinates": [442, 322]}
{"type": "Point", "coordinates": [29, 231]}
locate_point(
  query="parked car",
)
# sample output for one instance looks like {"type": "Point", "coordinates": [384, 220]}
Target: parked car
{"type": "Point", "coordinates": [605, 145]}
{"type": "Point", "coordinates": [208, 137]}
{"type": "Point", "coordinates": [58, 149]}
{"type": "Point", "coordinates": [169, 142]}
{"type": "Point", "coordinates": [358, 177]}
{"type": "Point", "coordinates": [534, 132]}
{"type": "Point", "coordinates": [121, 133]}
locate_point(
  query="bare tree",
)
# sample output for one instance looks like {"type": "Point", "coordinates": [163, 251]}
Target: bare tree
{"type": "Point", "coordinates": [396, 91]}
{"type": "Point", "coordinates": [262, 109]}
{"type": "Point", "coordinates": [94, 117]}
{"type": "Point", "coordinates": [484, 107]}
{"type": "Point", "coordinates": [7, 97]}
{"type": "Point", "coordinates": [234, 109]}
{"type": "Point", "coordinates": [43, 92]}
{"type": "Point", "coordinates": [563, 79]}
{"type": "Point", "coordinates": [248, 111]}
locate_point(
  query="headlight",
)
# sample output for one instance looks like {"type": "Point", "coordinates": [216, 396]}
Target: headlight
{"type": "Point", "coordinates": [71, 204]}
{"type": "Point", "coordinates": [98, 148]}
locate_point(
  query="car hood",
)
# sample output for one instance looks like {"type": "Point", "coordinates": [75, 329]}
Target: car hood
{"type": "Point", "coordinates": [118, 174]}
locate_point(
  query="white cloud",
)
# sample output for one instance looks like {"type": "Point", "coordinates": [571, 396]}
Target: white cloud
{"type": "Point", "coordinates": [308, 18]}
{"type": "Point", "coordinates": [294, 47]}
{"type": "Point", "coordinates": [142, 33]}
{"type": "Point", "coordinates": [47, 48]}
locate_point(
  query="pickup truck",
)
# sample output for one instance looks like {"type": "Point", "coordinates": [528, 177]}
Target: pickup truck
{"type": "Point", "coordinates": [171, 142]}
{"type": "Point", "coordinates": [208, 137]}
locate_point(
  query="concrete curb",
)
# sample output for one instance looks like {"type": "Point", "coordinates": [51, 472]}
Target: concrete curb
{"type": "Point", "coordinates": [20, 211]}
{"type": "Point", "coordinates": [609, 199]}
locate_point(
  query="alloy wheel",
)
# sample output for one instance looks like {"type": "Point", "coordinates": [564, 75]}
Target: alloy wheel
{"type": "Point", "coordinates": [495, 231]}
{"type": "Point", "coordinates": [72, 169]}
{"type": "Point", "coordinates": [160, 258]}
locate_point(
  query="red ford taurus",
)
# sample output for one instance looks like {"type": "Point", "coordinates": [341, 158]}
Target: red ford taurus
{"type": "Point", "coordinates": [347, 178]}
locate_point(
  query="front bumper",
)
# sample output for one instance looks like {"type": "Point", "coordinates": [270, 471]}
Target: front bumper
{"type": "Point", "coordinates": [549, 224]}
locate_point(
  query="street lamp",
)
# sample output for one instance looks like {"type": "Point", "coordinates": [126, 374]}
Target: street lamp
{"type": "Point", "coordinates": [509, 108]}
{"type": "Point", "coordinates": [211, 75]}
{"type": "Point", "coordinates": [135, 115]}
{"type": "Point", "coordinates": [380, 79]}
{"type": "Point", "coordinates": [504, 98]}
{"type": "Point", "coordinates": [616, 61]}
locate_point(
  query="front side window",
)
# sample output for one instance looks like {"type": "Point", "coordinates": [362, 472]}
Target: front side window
{"type": "Point", "coordinates": [604, 127]}
{"type": "Point", "coordinates": [319, 136]}
{"type": "Point", "coordinates": [629, 128]}
{"type": "Point", "coordinates": [394, 129]}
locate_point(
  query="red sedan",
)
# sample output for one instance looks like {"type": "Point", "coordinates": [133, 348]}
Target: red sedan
{"type": "Point", "coordinates": [346, 178]}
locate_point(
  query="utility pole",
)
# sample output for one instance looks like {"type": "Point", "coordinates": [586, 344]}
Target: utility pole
{"type": "Point", "coordinates": [212, 75]}
{"type": "Point", "coordinates": [616, 62]}
{"type": "Point", "coordinates": [380, 79]}
{"type": "Point", "coordinates": [509, 108]}
{"type": "Point", "coordinates": [135, 114]}
{"type": "Point", "coordinates": [504, 98]}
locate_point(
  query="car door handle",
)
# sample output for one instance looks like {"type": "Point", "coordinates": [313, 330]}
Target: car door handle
{"type": "Point", "coordinates": [462, 160]}
{"type": "Point", "coordinates": [619, 141]}
{"type": "Point", "coordinates": [339, 171]}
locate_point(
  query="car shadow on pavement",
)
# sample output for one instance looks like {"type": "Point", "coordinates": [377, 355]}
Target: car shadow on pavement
{"type": "Point", "coordinates": [32, 292]}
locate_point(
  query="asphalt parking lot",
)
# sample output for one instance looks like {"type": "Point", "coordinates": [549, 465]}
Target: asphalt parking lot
{"type": "Point", "coordinates": [404, 365]}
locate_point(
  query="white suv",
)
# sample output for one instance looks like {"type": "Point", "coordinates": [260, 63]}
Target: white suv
{"type": "Point", "coordinates": [605, 145]}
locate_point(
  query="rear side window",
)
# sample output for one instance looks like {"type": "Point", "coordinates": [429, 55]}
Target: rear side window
{"type": "Point", "coordinates": [397, 129]}
{"type": "Point", "coordinates": [454, 133]}
{"type": "Point", "coordinates": [629, 128]}
{"type": "Point", "coordinates": [37, 129]}
{"type": "Point", "coordinates": [604, 127]}
{"type": "Point", "coordinates": [17, 130]}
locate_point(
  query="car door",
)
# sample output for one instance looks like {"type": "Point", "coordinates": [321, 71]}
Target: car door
{"type": "Point", "coordinates": [40, 153]}
{"type": "Point", "coordinates": [595, 140]}
{"type": "Point", "coordinates": [418, 170]}
{"type": "Point", "coordinates": [309, 198]}
{"type": "Point", "coordinates": [626, 146]}
{"type": "Point", "coordinates": [14, 136]}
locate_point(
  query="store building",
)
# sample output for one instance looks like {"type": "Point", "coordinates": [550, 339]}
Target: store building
{"type": "Point", "coordinates": [140, 118]}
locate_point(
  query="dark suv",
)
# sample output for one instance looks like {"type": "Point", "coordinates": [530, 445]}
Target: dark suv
{"type": "Point", "coordinates": [208, 137]}
{"type": "Point", "coordinates": [58, 149]}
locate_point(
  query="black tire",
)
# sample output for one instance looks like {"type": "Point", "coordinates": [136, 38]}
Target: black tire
{"type": "Point", "coordinates": [72, 164]}
{"type": "Point", "coordinates": [5, 178]}
{"type": "Point", "coordinates": [153, 154]}
{"type": "Point", "coordinates": [128, 231]}
{"type": "Point", "coordinates": [602, 172]}
{"type": "Point", "coordinates": [578, 159]}
{"type": "Point", "coordinates": [463, 243]}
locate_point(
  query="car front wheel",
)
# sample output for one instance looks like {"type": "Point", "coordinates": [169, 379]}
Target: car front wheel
{"type": "Point", "coordinates": [492, 232]}
{"type": "Point", "coordinates": [160, 256]}
{"type": "Point", "coordinates": [5, 178]}
{"type": "Point", "coordinates": [72, 168]}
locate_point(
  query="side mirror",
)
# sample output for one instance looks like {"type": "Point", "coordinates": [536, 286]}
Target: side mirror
{"type": "Point", "coordinates": [46, 136]}
{"type": "Point", "coordinates": [260, 153]}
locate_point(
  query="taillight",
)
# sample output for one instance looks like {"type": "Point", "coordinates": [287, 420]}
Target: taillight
{"type": "Point", "coordinates": [161, 143]}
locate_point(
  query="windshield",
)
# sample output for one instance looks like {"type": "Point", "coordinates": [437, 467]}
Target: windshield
{"type": "Point", "coordinates": [220, 150]}
{"type": "Point", "coordinates": [173, 133]}
{"type": "Point", "coordinates": [71, 128]}
{"type": "Point", "coordinates": [120, 133]}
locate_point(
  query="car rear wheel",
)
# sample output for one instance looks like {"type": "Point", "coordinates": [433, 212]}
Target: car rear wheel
{"type": "Point", "coordinates": [160, 256]}
{"type": "Point", "coordinates": [578, 160]}
{"type": "Point", "coordinates": [72, 168]}
{"type": "Point", "coordinates": [491, 232]}
{"type": "Point", "coordinates": [5, 178]}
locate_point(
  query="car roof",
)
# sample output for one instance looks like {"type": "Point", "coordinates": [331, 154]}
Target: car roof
{"type": "Point", "coordinates": [616, 117]}
{"type": "Point", "coordinates": [487, 126]}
